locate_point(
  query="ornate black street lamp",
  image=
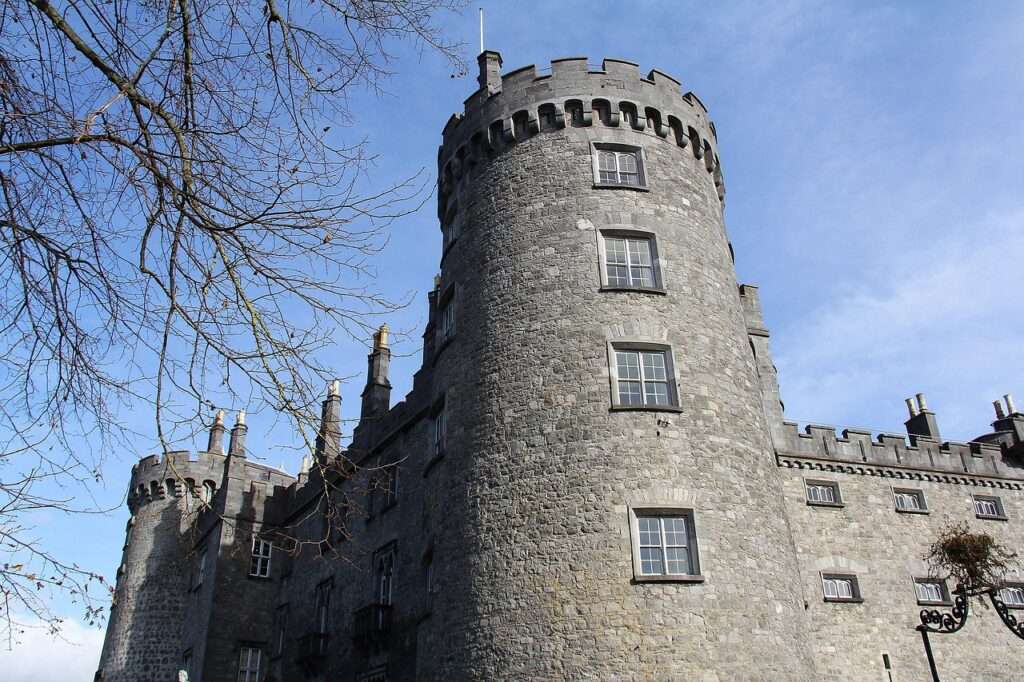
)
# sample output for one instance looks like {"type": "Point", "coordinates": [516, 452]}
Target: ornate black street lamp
{"type": "Point", "coordinates": [947, 622]}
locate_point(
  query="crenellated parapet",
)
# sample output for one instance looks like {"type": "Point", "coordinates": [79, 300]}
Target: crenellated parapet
{"type": "Point", "coordinates": [818, 447]}
{"type": "Point", "coordinates": [513, 107]}
{"type": "Point", "coordinates": [175, 474]}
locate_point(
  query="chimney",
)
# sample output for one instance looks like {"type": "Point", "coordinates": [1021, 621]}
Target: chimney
{"type": "Point", "coordinates": [328, 441]}
{"type": "Point", "coordinates": [216, 442]}
{"type": "Point", "coordinates": [490, 71]}
{"type": "Point", "coordinates": [922, 420]}
{"type": "Point", "coordinates": [377, 394]}
{"type": "Point", "coordinates": [236, 447]}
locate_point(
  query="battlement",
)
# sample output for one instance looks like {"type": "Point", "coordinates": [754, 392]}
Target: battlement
{"type": "Point", "coordinates": [182, 471]}
{"type": "Point", "coordinates": [893, 451]}
{"type": "Point", "coordinates": [512, 107]}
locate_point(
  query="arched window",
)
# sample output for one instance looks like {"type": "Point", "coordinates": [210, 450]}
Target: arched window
{"type": "Point", "coordinates": [209, 489]}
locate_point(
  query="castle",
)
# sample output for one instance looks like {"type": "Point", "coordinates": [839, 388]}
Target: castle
{"type": "Point", "coordinates": [592, 476]}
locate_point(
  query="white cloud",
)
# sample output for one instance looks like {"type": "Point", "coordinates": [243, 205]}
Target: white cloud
{"type": "Point", "coordinates": [39, 657]}
{"type": "Point", "coordinates": [928, 328]}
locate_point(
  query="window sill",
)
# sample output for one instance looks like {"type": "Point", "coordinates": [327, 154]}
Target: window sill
{"type": "Point", "coordinates": [640, 290]}
{"type": "Point", "coordinates": [986, 517]}
{"type": "Point", "coordinates": [934, 603]}
{"type": "Point", "coordinates": [913, 511]}
{"type": "Point", "coordinates": [615, 185]}
{"type": "Point", "coordinates": [837, 600]}
{"type": "Point", "coordinates": [668, 578]}
{"type": "Point", "coordinates": [834, 505]}
{"type": "Point", "coordinates": [260, 578]}
{"type": "Point", "coordinates": [645, 408]}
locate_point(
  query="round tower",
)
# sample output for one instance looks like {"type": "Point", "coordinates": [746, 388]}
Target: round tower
{"type": "Point", "coordinates": [623, 515]}
{"type": "Point", "coordinates": [143, 638]}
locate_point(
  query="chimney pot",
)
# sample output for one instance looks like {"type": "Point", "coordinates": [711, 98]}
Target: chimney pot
{"type": "Point", "coordinates": [999, 409]}
{"type": "Point", "coordinates": [1010, 407]}
{"type": "Point", "coordinates": [921, 404]}
{"type": "Point", "coordinates": [911, 407]}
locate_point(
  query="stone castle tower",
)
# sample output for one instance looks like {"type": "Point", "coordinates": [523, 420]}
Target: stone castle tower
{"type": "Point", "coordinates": [592, 477]}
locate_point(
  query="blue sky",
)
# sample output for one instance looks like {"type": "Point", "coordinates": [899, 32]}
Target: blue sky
{"type": "Point", "coordinates": [874, 160]}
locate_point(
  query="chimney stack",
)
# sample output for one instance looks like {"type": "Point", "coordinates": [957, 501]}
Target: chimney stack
{"type": "Point", "coordinates": [922, 421]}
{"type": "Point", "coordinates": [377, 394]}
{"type": "Point", "coordinates": [490, 72]}
{"type": "Point", "coordinates": [328, 440]}
{"type": "Point", "coordinates": [236, 447]}
{"type": "Point", "coordinates": [216, 442]}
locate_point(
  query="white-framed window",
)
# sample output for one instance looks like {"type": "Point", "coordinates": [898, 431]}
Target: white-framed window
{"type": "Point", "coordinates": [823, 493]}
{"type": "Point", "coordinates": [1012, 595]}
{"type": "Point", "coordinates": [630, 261]}
{"type": "Point", "coordinates": [664, 542]}
{"type": "Point", "coordinates": [618, 165]}
{"type": "Point", "coordinates": [375, 675]}
{"type": "Point", "coordinates": [249, 659]}
{"type": "Point", "coordinates": [259, 563]}
{"type": "Point", "coordinates": [910, 500]}
{"type": "Point", "coordinates": [840, 587]}
{"type": "Point", "coordinates": [446, 317]}
{"type": "Point", "coordinates": [931, 591]}
{"type": "Point", "coordinates": [643, 376]}
{"type": "Point", "coordinates": [988, 507]}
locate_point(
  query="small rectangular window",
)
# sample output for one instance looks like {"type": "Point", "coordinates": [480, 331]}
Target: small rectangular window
{"type": "Point", "coordinates": [988, 507]}
{"type": "Point", "coordinates": [909, 500]}
{"type": "Point", "coordinates": [840, 587]}
{"type": "Point", "coordinates": [823, 493]}
{"type": "Point", "coordinates": [618, 166]}
{"type": "Point", "coordinates": [186, 663]}
{"type": "Point", "coordinates": [249, 664]}
{"type": "Point", "coordinates": [931, 591]}
{"type": "Point", "coordinates": [630, 261]}
{"type": "Point", "coordinates": [1012, 595]}
{"type": "Point", "coordinates": [664, 544]}
{"type": "Point", "coordinates": [259, 563]}
{"type": "Point", "coordinates": [643, 378]}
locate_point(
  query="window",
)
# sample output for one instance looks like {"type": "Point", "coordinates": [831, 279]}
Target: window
{"type": "Point", "coordinates": [642, 378]}
{"type": "Point", "coordinates": [838, 587]}
{"type": "Point", "coordinates": [323, 606]}
{"type": "Point", "coordinates": [200, 573]}
{"type": "Point", "coordinates": [1013, 595]}
{"type": "Point", "coordinates": [249, 664]}
{"type": "Point", "coordinates": [389, 481]}
{"type": "Point", "coordinates": [375, 675]}
{"type": "Point", "coordinates": [988, 507]}
{"type": "Point", "coordinates": [446, 318]}
{"type": "Point", "coordinates": [618, 166]}
{"type": "Point", "coordinates": [440, 431]}
{"type": "Point", "coordinates": [823, 493]}
{"type": "Point", "coordinates": [280, 629]}
{"type": "Point", "coordinates": [186, 664]}
{"type": "Point", "coordinates": [664, 544]}
{"type": "Point", "coordinates": [209, 489]}
{"type": "Point", "coordinates": [259, 564]}
{"type": "Point", "coordinates": [385, 577]}
{"type": "Point", "coordinates": [428, 571]}
{"type": "Point", "coordinates": [630, 262]}
{"type": "Point", "coordinates": [931, 591]}
{"type": "Point", "coordinates": [910, 501]}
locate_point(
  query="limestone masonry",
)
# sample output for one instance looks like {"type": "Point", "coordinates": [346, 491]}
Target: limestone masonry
{"type": "Point", "coordinates": [592, 477]}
